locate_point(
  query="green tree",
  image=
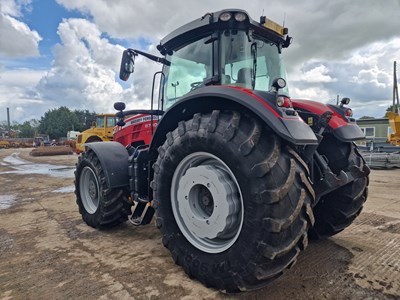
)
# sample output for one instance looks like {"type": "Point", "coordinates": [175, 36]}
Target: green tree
{"type": "Point", "coordinates": [85, 119]}
{"type": "Point", "coordinates": [27, 130]}
{"type": "Point", "coordinates": [57, 122]}
{"type": "Point", "coordinates": [366, 117]}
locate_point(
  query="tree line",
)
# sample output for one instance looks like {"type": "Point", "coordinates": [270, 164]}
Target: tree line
{"type": "Point", "coordinates": [55, 123]}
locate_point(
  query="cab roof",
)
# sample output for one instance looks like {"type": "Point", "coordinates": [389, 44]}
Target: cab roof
{"type": "Point", "coordinates": [211, 23]}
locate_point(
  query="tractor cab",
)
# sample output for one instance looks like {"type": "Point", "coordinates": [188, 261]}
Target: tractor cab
{"type": "Point", "coordinates": [225, 48]}
{"type": "Point", "coordinates": [233, 51]}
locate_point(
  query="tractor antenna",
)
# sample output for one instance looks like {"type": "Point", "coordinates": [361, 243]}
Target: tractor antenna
{"type": "Point", "coordinates": [284, 19]}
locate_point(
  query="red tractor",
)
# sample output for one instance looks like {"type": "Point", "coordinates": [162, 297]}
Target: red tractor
{"type": "Point", "coordinates": [239, 174]}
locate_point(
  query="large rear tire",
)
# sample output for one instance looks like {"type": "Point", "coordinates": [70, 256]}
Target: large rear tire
{"type": "Point", "coordinates": [338, 209]}
{"type": "Point", "coordinates": [100, 206]}
{"type": "Point", "coordinates": [233, 203]}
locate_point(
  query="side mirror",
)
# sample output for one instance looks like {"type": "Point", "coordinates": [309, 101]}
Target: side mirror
{"type": "Point", "coordinates": [119, 106]}
{"type": "Point", "coordinates": [127, 65]}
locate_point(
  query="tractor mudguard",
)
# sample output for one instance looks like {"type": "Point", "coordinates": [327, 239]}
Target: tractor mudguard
{"type": "Point", "coordinates": [289, 127]}
{"type": "Point", "coordinates": [343, 128]}
{"type": "Point", "coordinates": [113, 158]}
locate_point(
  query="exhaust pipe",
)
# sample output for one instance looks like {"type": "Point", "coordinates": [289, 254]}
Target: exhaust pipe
{"type": "Point", "coordinates": [8, 120]}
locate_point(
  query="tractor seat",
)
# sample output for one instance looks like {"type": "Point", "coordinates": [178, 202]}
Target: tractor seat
{"type": "Point", "coordinates": [244, 77]}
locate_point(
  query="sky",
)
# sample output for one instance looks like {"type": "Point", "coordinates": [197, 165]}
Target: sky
{"type": "Point", "coordinates": [67, 52]}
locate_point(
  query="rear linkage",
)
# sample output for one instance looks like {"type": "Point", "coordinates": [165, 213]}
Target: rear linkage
{"type": "Point", "coordinates": [140, 171]}
{"type": "Point", "coordinates": [328, 181]}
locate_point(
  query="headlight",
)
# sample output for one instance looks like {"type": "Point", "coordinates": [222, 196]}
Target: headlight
{"type": "Point", "coordinates": [280, 101]}
{"type": "Point", "coordinates": [349, 112]}
{"type": "Point", "coordinates": [226, 16]}
{"type": "Point", "coordinates": [240, 17]}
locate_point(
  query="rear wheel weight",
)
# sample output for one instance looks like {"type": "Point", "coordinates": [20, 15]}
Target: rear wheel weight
{"type": "Point", "coordinates": [259, 225]}
{"type": "Point", "coordinates": [338, 209]}
{"type": "Point", "coordinates": [99, 206]}
{"type": "Point", "coordinates": [89, 190]}
{"type": "Point", "coordinates": [210, 223]}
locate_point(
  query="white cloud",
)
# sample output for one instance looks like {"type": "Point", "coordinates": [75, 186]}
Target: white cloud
{"type": "Point", "coordinates": [321, 30]}
{"type": "Point", "coordinates": [17, 39]}
{"type": "Point", "coordinates": [311, 93]}
{"type": "Point", "coordinates": [373, 76]}
{"type": "Point", "coordinates": [365, 76]}
{"type": "Point", "coordinates": [14, 8]}
{"type": "Point", "coordinates": [339, 47]}
{"type": "Point", "coordinates": [82, 76]}
{"type": "Point", "coordinates": [17, 93]}
{"type": "Point", "coordinates": [317, 74]}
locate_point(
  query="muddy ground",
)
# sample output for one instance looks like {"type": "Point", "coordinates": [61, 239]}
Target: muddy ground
{"type": "Point", "coordinates": [47, 252]}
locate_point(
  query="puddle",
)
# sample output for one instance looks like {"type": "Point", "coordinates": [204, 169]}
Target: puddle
{"type": "Point", "coordinates": [14, 159]}
{"type": "Point", "coordinates": [25, 167]}
{"type": "Point", "coordinates": [65, 189]}
{"type": "Point", "coordinates": [6, 201]}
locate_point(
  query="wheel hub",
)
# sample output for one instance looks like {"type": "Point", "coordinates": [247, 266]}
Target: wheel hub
{"type": "Point", "coordinates": [92, 189]}
{"type": "Point", "coordinates": [89, 190]}
{"type": "Point", "coordinates": [207, 202]}
{"type": "Point", "coordinates": [208, 184]}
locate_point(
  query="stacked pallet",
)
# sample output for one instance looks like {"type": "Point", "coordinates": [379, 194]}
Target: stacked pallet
{"type": "Point", "coordinates": [53, 150]}
{"type": "Point", "coordinates": [382, 160]}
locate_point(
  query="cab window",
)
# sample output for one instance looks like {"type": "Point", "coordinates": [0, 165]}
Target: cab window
{"type": "Point", "coordinates": [111, 121]}
{"type": "Point", "coordinates": [190, 66]}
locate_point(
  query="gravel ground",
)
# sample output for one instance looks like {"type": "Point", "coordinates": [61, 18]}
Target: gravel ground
{"type": "Point", "coordinates": [47, 252]}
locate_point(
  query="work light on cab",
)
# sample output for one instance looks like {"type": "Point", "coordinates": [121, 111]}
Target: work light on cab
{"type": "Point", "coordinates": [226, 16]}
{"type": "Point", "coordinates": [240, 17]}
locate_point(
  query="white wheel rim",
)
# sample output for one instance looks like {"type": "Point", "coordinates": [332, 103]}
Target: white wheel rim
{"type": "Point", "coordinates": [89, 190]}
{"type": "Point", "coordinates": [207, 202]}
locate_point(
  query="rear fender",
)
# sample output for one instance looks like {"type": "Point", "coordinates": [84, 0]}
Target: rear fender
{"type": "Point", "coordinates": [203, 100]}
{"type": "Point", "coordinates": [343, 128]}
{"type": "Point", "coordinates": [113, 158]}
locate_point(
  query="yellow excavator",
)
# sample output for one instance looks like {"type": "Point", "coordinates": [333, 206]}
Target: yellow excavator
{"type": "Point", "coordinates": [101, 131]}
{"type": "Point", "coordinates": [394, 115]}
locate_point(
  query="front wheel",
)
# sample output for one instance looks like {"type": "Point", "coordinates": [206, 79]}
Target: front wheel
{"type": "Point", "coordinates": [233, 203]}
{"type": "Point", "coordinates": [100, 206]}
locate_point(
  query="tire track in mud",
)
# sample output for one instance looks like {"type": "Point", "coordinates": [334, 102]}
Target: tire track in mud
{"type": "Point", "coordinates": [47, 252]}
{"type": "Point", "coordinates": [376, 242]}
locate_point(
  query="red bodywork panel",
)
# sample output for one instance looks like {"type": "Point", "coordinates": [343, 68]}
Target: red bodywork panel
{"type": "Point", "coordinates": [319, 108]}
{"type": "Point", "coordinates": [137, 129]}
{"type": "Point", "coordinates": [250, 92]}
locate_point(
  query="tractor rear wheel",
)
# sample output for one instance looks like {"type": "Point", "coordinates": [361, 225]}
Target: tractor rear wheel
{"type": "Point", "coordinates": [100, 206]}
{"type": "Point", "coordinates": [338, 209]}
{"type": "Point", "coordinates": [233, 203]}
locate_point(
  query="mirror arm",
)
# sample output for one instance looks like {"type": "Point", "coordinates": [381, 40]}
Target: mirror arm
{"type": "Point", "coordinates": [150, 56]}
